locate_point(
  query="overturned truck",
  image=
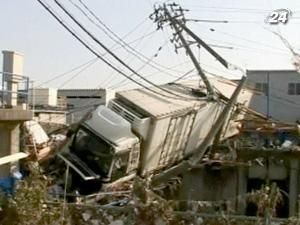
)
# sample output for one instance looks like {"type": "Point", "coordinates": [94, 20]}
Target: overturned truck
{"type": "Point", "coordinates": [141, 133]}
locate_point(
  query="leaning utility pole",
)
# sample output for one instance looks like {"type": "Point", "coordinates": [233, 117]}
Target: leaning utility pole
{"type": "Point", "coordinates": [202, 43]}
{"type": "Point", "coordinates": [189, 51]}
{"type": "Point", "coordinates": [173, 15]}
{"type": "Point", "coordinates": [176, 19]}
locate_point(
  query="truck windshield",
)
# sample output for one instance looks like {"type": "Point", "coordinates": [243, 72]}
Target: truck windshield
{"type": "Point", "coordinates": [94, 151]}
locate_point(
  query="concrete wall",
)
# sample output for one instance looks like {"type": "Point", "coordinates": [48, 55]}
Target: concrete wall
{"type": "Point", "coordinates": [57, 117]}
{"type": "Point", "coordinates": [278, 104]}
{"type": "Point", "coordinates": [10, 119]}
{"type": "Point", "coordinates": [233, 183]}
{"type": "Point", "coordinates": [210, 185]}
{"type": "Point", "coordinates": [10, 144]}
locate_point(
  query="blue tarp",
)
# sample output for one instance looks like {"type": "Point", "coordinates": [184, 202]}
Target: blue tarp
{"type": "Point", "coordinates": [7, 184]}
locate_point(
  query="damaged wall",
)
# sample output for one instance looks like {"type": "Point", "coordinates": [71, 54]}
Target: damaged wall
{"type": "Point", "coordinates": [210, 184]}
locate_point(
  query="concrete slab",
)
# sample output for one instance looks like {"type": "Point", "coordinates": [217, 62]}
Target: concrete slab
{"type": "Point", "coordinates": [15, 115]}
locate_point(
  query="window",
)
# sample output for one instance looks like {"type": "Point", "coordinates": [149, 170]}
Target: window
{"type": "Point", "coordinates": [94, 151]}
{"type": "Point", "coordinates": [263, 87]}
{"type": "Point", "coordinates": [294, 89]}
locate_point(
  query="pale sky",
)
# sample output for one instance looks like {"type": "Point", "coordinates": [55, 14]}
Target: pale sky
{"type": "Point", "coordinates": [49, 50]}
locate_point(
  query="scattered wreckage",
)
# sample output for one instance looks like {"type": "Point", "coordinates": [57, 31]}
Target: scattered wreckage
{"type": "Point", "coordinates": [158, 131]}
{"type": "Point", "coordinates": [100, 157]}
{"type": "Point", "coordinates": [142, 134]}
{"type": "Point", "coordinates": [37, 142]}
{"type": "Point", "coordinates": [199, 133]}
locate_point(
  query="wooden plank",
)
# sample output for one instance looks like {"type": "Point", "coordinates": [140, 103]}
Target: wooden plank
{"type": "Point", "coordinates": [13, 158]}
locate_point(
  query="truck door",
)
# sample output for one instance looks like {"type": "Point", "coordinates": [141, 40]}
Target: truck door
{"type": "Point", "coordinates": [176, 139]}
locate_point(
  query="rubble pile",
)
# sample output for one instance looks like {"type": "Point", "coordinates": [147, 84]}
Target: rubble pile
{"type": "Point", "coordinates": [38, 144]}
{"type": "Point", "coordinates": [144, 208]}
{"type": "Point", "coordinates": [266, 134]}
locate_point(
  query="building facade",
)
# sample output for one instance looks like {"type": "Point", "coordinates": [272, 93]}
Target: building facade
{"type": "Point", "coordinates": [80, 101]}
{"type": "Point", "coordinates": [278, 93]}
{"type": "Point", "coordinates": [43, 97]}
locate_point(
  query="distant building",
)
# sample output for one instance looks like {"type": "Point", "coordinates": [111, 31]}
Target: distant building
{"type": "Point", "coordinates": [65, 105]}
{"type": "Point", "coordinates": [79, 101]}
{"type": "Point", "coordinates": [43, 97]}
{"type": "Point", "coordinates": [279, 93]}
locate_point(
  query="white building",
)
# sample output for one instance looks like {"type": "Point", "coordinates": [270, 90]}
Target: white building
{"type": "Point", "coordinates": [279, 96]}
{"type": "Point", "coordinates": [80, 101]}
{"type": "Point", "coordinates": [43, 97]}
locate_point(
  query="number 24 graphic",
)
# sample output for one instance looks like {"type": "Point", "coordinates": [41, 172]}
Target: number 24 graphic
{"type": "Point", "coordinates": [279, 16]}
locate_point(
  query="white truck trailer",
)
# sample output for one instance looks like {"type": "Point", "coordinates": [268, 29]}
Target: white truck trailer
{"type": "Point", "coordinates": [142, 133]}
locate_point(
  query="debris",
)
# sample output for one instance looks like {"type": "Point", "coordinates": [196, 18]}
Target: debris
{"type": "Point", "coordinates": [95, 222]}
{"type": "Point", "coordinates": [13, 158]}
{"type": "Point", "coordinates": [37, 142]}
{"type": "Point", "coordinates": [36, 132]}
{"type": "Point", "coordinates": [117, 222]}
{"type": "Point", "coordinates": [148, 133]}
{"type": "Point", "coordinates": [287, 144]}
{"type": "Point", "coordinates": [86, 216]}
{"type": "Point", "coordinates": [58, 137]}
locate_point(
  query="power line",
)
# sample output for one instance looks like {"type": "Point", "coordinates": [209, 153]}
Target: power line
{"type": "Point", "coordinates": [229, 9]}
{"type": "Point", "coordinates": [140, 68]}
{"type": "Point", "coordinates": [146, 63]}
{"type": "Point", "coordinates": [202, 20]}
{"type": "Point", "coordinates": [154, 55]}
{"type": "Point", "coordinates": [78, 73]}
{"type": "Point", "coordinates": [151, 74]}
{"type": "Point", "coordinates": [110, 81]}
{"type": "Point", "coordinates": [243, 38]}
{"type": "Point", "coordinates": [118, 40]}
{"type": "Point", "coordinates": [234, 46]}
{"type": "Point", "coordinates": [102, 58]}
{"type": "Point", "coordinates": [91, 60]}
{"type": "Point", "coordinates": [111, 53]}
{"type": "Point", "coordinates": [183, 76]}
{"type": "Point", "coordinates": [67, 72]}
{"type": "Point", "coordinates": [248, 40]}
{"type": "Point", "coordinates": [154, 73]}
